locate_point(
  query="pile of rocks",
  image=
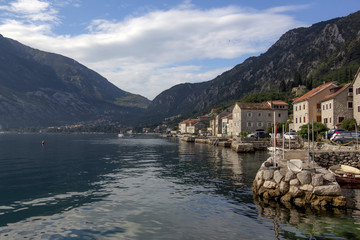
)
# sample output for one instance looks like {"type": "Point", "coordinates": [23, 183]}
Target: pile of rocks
{"type": "Point", "coordinates": [315, 187]}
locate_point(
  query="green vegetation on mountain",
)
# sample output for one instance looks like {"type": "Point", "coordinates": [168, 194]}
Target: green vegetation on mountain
{"type": "Point", "coordinates": [132, 100]}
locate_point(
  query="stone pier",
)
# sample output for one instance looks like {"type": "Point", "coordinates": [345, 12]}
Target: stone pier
{"type": "Point", "coordinates": [312, 186]}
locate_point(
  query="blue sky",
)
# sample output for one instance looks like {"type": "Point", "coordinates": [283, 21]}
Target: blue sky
{"type": "Point", "coordinates": [146, 47]}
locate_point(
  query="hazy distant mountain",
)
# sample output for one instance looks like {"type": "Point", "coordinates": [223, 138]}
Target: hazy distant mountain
{"type": "Point", "coordinates": [41, 89]}
{"type": "Point", "coordinates": [326, 51]}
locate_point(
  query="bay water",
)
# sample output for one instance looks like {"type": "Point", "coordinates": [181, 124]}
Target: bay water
{"type": "Point", "coordinates": [98, 186]}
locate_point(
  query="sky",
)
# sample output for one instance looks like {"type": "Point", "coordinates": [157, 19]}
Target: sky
{"type": "Point", "coordinates": [147, 46]}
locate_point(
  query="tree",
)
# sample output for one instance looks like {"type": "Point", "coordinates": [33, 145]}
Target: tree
{"type": "Point", "coordinates": [297, 79]}
{"type": "Point", "coordinates": [319, 130]}
{"type": "Point", "coordinates": [282, 86]}
{"type": "Point", "coordinates": [348, 124]}
{"type": "Point", "coordinates": [309, 83]}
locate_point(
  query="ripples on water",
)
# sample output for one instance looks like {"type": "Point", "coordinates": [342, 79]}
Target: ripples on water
{"type": "Point", "coordinates": [104, 187]}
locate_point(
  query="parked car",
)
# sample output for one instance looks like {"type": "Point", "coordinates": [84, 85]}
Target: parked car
{"type": "Point", "coordinates": [290, 135]}
{"type": "Point", "coordinates": [258, 134]}
{"type": "Point", "coordinates": [344, 137]}
{"type": "Point", "coordinates": [332, 131]}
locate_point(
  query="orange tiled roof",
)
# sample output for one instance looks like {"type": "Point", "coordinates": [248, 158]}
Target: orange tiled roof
{"type": "Point", "coordinates": [313, 92]}
{"type": "Point", "coordinates": [228, 116]}
{"type": "Point", "coordinates": [336, 93]}
{"type": "Point", "coordinates": [262, 106]}
{"type": "Point", "coordinates": [190, 121]}
{"type": "Point", "coordinates": [278, 102]}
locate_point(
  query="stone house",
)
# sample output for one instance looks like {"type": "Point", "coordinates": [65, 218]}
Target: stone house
{"type": "Point", "coordinates": [356, 97]}
{"type": "Point", "coordinates": [226, 128]}
{"type": "Point", "coordinates": [195, 127]}
{"type": "Point", "coordinates": [337, 106]}
{"type": "Point", "coordinates": [183, 126]}
{"type": "Point", "coordinates": [191, 126]}
{"type": "Point", "coordinates": [248, 117]}
{"type": "Point", "coordinates": [216, 121]}
{"type": "Point", "coordinates": [308, 107]}
{"type": "Point", "coordinates": [299, 90]}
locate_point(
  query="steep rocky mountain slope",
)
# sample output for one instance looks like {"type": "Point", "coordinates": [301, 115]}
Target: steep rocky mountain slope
{"type": "Point", "coordinates": [41, 89]}
{"type": "Point", "coordinates": [326, 51]}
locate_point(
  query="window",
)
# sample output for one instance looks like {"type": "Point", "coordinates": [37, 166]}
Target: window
{"type": "Point", "coordinates": [329, 120]}
{"type": "Point", "coordinates": [299, 107]}
{"type": "Point", "coordinates": [341, 119]}
{"type": "Point", "coordinates": [249, 114]}
{"type": "Point", "coordinates": [269, 115]}
{"type": "Point", "coordinates": [304, 106]}
{"type": "Point", "coordinates": [259, 124]}
{"type": "Point", "coordinates": [325, 120]}
{"type": "Point", "coordinates": [259, 114]}
{"type": "Point", "coordinates": [249, 124]}
{"type": "Point", "coordinates": [351, 89]}
{"type": "Point", "coordinates": [358, 108]}
{"type": "Point", "coordinates": [295, 120]}
{"type": "Point", "coordinates": [296, 108]}
{"type": "Point", "coordinates": [329, 105]}
{"type": "Point", "coordinates": [299, 119]}
{"type": "Point", "coordinates": [350, 105]}
{"type": "Point", "coordinates": [279, 115]}
{"type": "Point", "coordinates": [324, 107]}
{"type": "Point", "coordinates": [304, 119]}
{"type": "Point", "coordinates": [269, 124]}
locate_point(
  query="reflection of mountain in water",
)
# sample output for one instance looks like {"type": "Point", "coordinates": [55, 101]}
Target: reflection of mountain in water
{"type": "Point", "coordinates": [215, 169]}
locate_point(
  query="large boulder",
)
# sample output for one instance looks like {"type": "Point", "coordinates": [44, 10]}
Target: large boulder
{"type": "Point", "coordinates": [304, 177]}
{"type": "Point", "coordinates": [328, 190]}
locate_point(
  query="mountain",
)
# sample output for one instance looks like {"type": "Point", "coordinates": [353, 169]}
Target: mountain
{"type": "Point", "coordinates": [41, 89]}
{"type": "Point", "coordinates": [325, 51]}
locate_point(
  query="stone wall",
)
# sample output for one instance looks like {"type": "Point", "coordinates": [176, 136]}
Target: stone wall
{"type": "Point", "coordinates": [330, 158]}
{"type": "Point", "coordinates": [317, 187]}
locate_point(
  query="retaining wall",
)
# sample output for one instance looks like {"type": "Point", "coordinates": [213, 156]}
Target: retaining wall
{"type": "Point", "coordinates": [330, 158]}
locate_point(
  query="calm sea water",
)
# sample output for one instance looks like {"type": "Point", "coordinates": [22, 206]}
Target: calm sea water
{"type": "Point", "coordinates": [104, 187]}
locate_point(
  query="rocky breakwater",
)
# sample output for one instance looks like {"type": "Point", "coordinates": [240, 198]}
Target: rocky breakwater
{"type": "Point", "coordinates": [315, 187]}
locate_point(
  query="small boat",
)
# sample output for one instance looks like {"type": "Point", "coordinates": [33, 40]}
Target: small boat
{"type": "Point", "coordinates": [345, 174]}
{"type": "Point", "coordinates": [120, 135]}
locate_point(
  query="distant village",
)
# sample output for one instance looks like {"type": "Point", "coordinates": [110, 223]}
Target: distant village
{"type": "Point", "coordinates": [328, 103]}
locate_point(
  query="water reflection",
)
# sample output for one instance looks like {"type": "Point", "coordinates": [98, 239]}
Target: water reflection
{"type": "Point", "coordinates": [103, 187]}
{"type": "Point", "coordinates": [311, 222]}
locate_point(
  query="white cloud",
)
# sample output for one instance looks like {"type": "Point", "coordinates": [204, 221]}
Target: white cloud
{"type": "Point", "coordinates": [31, 10]}
{"type": "Point", "coordinates": [138, 54]}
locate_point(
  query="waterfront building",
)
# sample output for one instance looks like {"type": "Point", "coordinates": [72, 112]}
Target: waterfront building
{"type": "Point", "coordinates": [337, 106]}
{"type": "Point", "coordinates": [216, 120]}
{"type": "Point", "coordinates": [226, 127]}
{"type": "Point", "coordinates": [356, 97]}
{"type": "Point", "coordinates": [191, 126]}
{"type": "Point", "coordinates": [307, 108]}
{"type": "Point", "coordinates": [248, 117]}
